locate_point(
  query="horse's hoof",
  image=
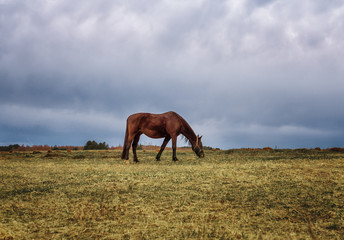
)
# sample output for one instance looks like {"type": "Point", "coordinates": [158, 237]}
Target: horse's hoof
{"type": "Point", "coordinates": [158, 159]}
{"type": "Point", "coordinates": [175, 159]}
{"type": "Point", "coordinates": [136, 160]}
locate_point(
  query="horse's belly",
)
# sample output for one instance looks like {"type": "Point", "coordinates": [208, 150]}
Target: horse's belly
{"type": "Point", "coordinates": [154, 132]}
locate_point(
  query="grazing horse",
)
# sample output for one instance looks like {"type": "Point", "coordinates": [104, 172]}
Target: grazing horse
{"type": "Point", "coordinates": [166, 125]}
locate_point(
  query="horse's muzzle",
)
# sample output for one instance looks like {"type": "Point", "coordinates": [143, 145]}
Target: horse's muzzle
{"type": "Point", "coordinates": [201, 154]}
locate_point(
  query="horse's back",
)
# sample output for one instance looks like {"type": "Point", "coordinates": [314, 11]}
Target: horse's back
{"type": "Point", "coordinates": [135, 116]}
{"type": "Point", "coordinates": [154, 120]}
{"type": "Point", "coordinates": [144, 118]}
{"type": "Point", "coordinates": [167, 115]}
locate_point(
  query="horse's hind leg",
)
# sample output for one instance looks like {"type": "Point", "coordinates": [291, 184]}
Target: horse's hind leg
{"type": "Point", "coordinates": [166, 140]}
{"type": "Point", "coordinates": [126, 147]}
{"type": "Point", "coordinates": [124, 152]}
{"type": "Point", "coordinates": [174, 148]}
{"type": "Point", "coordinates": [134, 145]}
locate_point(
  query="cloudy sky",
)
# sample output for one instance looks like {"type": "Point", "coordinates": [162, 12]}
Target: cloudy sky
{"type": "Point", "coordinates": [251, 73]}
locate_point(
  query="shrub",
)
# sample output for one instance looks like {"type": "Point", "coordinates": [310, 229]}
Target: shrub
{"type": "Point", "coordinates": [336, 149]}
{"type": "Point", "coordinates": [90, 145]}
{"type": "Point", "coordinates": [9, 147]}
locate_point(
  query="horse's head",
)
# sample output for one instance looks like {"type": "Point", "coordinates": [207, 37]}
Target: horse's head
{"type": "Point", "coordinates": [198, 147]}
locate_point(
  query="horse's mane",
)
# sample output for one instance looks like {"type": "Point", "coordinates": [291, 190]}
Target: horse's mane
{"type": "Point", "coordinates": [186, 140]}
{"type": "Point", "coordinates": [188, 132]}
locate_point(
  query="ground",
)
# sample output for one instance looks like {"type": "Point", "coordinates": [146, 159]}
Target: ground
{"type": "Point", "coordinates": [233, 194]}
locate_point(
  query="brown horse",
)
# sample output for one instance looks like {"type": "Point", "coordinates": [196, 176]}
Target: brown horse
{"type": "Point", "coordinates": [166, 125]}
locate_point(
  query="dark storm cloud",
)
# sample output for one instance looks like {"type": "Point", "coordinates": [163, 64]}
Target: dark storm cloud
{"type": "Point", "coordinates": [243, 73]}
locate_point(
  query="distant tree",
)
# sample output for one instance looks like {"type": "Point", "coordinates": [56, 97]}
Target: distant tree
{"type": "Point", "coordinates": [140, 147]}
{"type": "Point", "coordinates": [9, 147]}
{"type": "Point", "coordinates": [91, 145]}
{"type": "Point", "coordinates": [103, 145]}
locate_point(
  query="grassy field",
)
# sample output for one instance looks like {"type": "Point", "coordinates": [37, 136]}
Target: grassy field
{"type": "Point", "coordinates": [235, 194]}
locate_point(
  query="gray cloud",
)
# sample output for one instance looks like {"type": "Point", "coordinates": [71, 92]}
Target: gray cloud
{"type": "Point", "coordinates": [247, 73]}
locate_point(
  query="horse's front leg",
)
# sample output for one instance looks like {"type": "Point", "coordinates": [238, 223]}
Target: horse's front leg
{"type": "Point", "coordinates": [166, 140]}
{"type": "Point", "coordinates": [174, 148]}
{"type": "Point", "coordinates": [134, 145]}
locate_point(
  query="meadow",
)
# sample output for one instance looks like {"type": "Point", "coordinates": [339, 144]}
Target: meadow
{"type": "Point", "coordinates": [233, 194]}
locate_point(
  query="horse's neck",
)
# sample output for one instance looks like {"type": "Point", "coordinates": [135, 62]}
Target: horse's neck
{"type": "Point", "coordinates": [189, 133]}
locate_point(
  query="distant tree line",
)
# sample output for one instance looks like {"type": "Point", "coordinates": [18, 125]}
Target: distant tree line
{"type": "Point", "coordinates": [91, 145]}
{"type": "Point", "coordinates": [9, 147]}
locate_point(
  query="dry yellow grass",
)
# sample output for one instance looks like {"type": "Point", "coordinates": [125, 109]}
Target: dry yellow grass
{"type": "Point", "coordinates": [227, 195]}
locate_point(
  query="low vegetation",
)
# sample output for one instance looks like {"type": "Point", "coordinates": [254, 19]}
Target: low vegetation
{"type": "Point", "coordinates": [93, 145]}
{"type": "Point", "coordinates": [234, 194]}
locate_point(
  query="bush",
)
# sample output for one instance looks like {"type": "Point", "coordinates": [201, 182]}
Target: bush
{"type": "Point", "coordinates": [90, 145]}
{"type": "Point", "coordinates": [335, 149]}
{"type": "Point", "coordinates": [9, 147]}
{"type": "Point", "coordinates": [210, 148]}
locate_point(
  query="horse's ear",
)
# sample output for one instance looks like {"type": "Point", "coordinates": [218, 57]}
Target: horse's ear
{"type": "Point", "coordinates": [200, 137]}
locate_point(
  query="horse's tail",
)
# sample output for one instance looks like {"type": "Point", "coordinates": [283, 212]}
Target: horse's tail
{"type": "Point", "coordinates": [125, 142]}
